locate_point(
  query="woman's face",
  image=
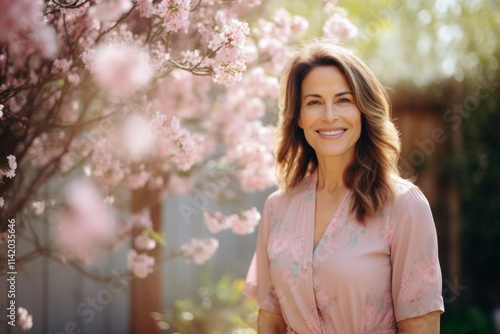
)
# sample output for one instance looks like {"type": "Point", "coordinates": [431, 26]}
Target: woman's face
{"type": "Point", "coordinates": [329, 115]}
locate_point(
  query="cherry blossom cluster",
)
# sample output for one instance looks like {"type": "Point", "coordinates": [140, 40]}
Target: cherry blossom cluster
{"type": "Point", "coordinates": [178, 143]}
{"type": "Point", "coordinates": [175, 14]}
{"type": "Point", "coordinates": [249, 143]}
{"type": "Point", "coordinates": [140, 264]}
{"type": "Point", "coordinates": [144, 242]}
{"type": "Point", "coordinates": [87, 225]}
{"type": "Point", "coordinates": [243, 223]}
{"type": "Point", "coordinates": [23, 28]}
{"type": "Point", "coordinates": [230, 59]}
{"type": "Point", "coordinates": [119, 68]}
{"type": "Point", "coordinates": [122, 93]}
{"type": "Point", "coordinates": [38, 207]}
{"type": "Point", "coordinates": [275, 35]}
{"type": "Point", "coordinates": [338, 27]}
{"type": "Point", "coordinates": [199, 250]}
{"type": "Point", "coordinates": [25, 320]}
{"type": "Point", "coordinates": [109, 11]}
{"type": "Point", "coordinates": [251, 150]}
{"type": "Point", "coordinates": [9, 172]}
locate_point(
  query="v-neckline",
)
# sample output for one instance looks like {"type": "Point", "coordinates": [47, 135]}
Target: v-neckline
{"type": "Point", "coordinates": [335, 216]}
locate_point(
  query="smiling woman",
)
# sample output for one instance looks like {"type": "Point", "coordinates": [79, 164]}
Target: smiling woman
{"type": "Point", "coordinates": [346, 245]}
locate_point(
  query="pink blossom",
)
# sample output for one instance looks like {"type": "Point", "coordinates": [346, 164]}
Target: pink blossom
{"type": "Point", "coordinates": [338, 27]}
{"type": "Point", "coordinates": [260, 85]}
{"type": "Point", "coordinates": [227, 74]}
{"type": "Point", "coordinates": [156, 183]}
{"type": "Point", "coordinates": [121, 69]}
{"type": "Point", "coordinates": [250, 147]}
{"type": "Point", "coordinates": [141, 219]}
{"type": "Point", "coordinates": [108, 200]}
{"type": "Point", "coordinates": [62, 68]}
{"type": "Point", "coordinates": [283, 28]}
{"type": "Point", "coordinates": [24, 320]}
{"type": "Point", "coordinates": [12, 162]}
{"type": "Point", "coordinates": [290, 24]}
{"type": "Point", "coordinates": [61, 65]}
{"type": "Point", "coordinates": [18, 15]}
{"type": "Point", "coordinates": [216, 222]}
{"type": "Point", "coordinates": [176, 142]}
{"type": "Point", "coordinates": [1, 110]}
{"type": "Point", "coordinates": [46, 41]}
{"type": "Point", "coordinates": [230, 59]}
{"type": "Point", "coordinates": [274, 37]}
{"type": "Point", "coordinates": [2, 202]}
{"type": "Point", "coordinates": [141, 265]}
{"type": "Point", "coordinates": [191, 57]}
{"type": "Point", "coordinates": [22, 26]}
{"type": "Point", "coordinates": [240, 224]}
{"type": "Point", "coordinates": [200, 250]}
{"type": "Point", "coordinates": [137, 136]}
{"type": "Point", "coordinates": [73, 78]}
{"type": "Point", "coordinates": [331, 6]}
{"type": "Point", "coordinates": [145, 7]}
{"type": "Point", "coordinates": [87, 224]}
{"type": "Point", "coordinates": [105, 168]}
{"type": "Point", "coordinates": [38, 207]}
{"type": "Point", "coordinates": [11, 172]}
{"type": "Point", "coordinates": [138, 180]}
{"type": "Point", "coordinates": [175, 14]}
{"type": "Point", "coordinates": [39, 152]}
{"type": "Point", "coordinates": [247, 222]}
{"type": "Point", "coordinates": [185, 153]}
{"type": "Point", "coordinates": [110, 10]}
{"type": "Point", "coordinates": [185, 95]}
{"type": "Point", "coordinates": [143, 242]}
{"type": "Point", "coordinates": [251, 52]}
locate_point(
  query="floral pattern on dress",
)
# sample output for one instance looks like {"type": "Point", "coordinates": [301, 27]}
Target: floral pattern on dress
{"type": "Point", "coordinates": [378, 314]}
{"type": "Point", "coordinates": [426, 268]}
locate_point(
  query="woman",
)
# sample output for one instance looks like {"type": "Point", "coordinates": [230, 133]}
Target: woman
{"type": "Point", "coordinates": [345, 245]}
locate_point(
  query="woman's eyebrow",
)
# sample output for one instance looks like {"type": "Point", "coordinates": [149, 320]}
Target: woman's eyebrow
{"type": "Point", "coordinates": [344, 93]}
{"type": "Point", "coordinates": [336, 95]}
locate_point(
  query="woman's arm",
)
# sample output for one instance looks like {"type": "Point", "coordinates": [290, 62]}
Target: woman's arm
{"type": "Point", "coordinates": [270, 323]}
{"type": "Point", "coordinates": [425, 324]}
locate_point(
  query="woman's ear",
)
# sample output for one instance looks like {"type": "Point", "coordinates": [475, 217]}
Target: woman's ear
{"type": "Point", "coordinates": [299, 122]}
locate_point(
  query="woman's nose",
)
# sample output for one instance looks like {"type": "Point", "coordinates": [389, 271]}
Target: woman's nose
{"type": "Point", "coordinates": [330, 114]}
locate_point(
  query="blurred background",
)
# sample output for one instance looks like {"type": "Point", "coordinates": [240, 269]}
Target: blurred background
{"type": "Point", "coordinates": [440, 63]}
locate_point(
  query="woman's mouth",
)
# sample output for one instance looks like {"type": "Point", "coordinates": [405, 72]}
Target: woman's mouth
{"type": "Point", "coordinates": [331, 133]}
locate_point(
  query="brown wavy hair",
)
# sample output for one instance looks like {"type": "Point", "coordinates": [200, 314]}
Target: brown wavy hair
{"type": "Point", "coordinates": [371, 175]}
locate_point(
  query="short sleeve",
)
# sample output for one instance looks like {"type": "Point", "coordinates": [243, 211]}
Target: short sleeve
{"type": "Point", "coordinates": [258, 282]}
{"type": "Point", "coordinates": [416, 273]}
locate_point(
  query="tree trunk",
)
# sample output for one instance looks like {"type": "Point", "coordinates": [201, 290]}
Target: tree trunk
{"type": "Point", "coordinates": [145, 296]}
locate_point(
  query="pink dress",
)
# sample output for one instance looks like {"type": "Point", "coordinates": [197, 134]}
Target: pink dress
{"type": "Point", "coordinates": [360, 278]}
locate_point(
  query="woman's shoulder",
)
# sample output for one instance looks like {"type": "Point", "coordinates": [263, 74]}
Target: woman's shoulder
{"type": "Point", "coordinates": [407, 193]}
{"type": "Point", "coordinates": [307, 184]}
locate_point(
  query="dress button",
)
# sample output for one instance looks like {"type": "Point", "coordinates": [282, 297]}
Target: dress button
{"type": "Point", "coordinates": [313, 308]}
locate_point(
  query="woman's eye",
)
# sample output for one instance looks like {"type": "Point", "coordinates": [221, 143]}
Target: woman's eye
{"type": "Point", "coordinates": [344, 100]}
{"type": "Point", "coordinates": [312, 102]}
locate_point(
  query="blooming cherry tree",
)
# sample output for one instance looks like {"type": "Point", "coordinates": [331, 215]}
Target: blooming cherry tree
{"type": "Point", "coordinates": [108, 97]}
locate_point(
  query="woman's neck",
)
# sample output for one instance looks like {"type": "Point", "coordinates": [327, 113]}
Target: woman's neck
{"type": "Point", "coordinates": [331, 173]}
